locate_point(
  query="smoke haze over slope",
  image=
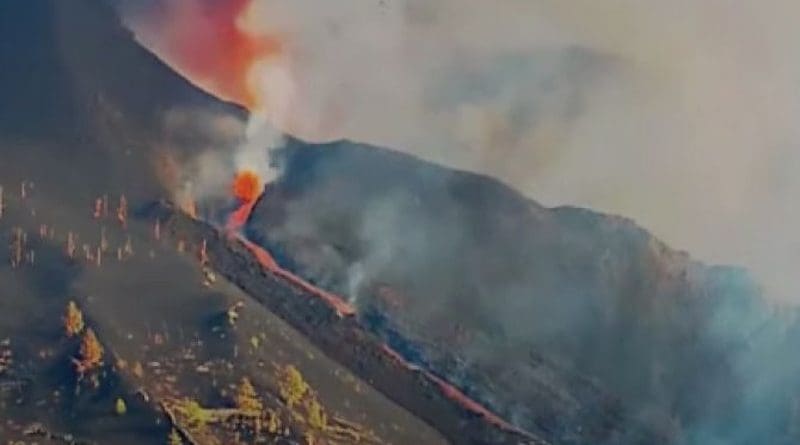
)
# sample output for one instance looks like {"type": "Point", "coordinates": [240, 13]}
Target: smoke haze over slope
{"type": "Point", "coordinates": [681, 115]}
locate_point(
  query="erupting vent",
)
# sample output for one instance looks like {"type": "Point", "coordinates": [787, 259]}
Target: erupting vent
{"type": "Point", "coordinates": [246, 189]}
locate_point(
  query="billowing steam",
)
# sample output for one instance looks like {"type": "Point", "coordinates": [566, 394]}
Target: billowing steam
{"type": "Point", "coordinates": [216, 46]}
{"type": "Point", "coordinates": [680, 115]}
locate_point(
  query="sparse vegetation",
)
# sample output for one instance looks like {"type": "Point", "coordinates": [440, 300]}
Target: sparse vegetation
{"type": "Point", "coordinates": [273, 422]}
{"type": "Point", "coordinates": [233, 312]}
{"type": "Point", "coordinates": [91, 353]}
{"type": "Point", "coordinates": [138, 370]}
{"type": "Point", "coordinates": [120, 408]}
{"type": "Point", "coordinates": [246, 397]}
{"type": "Point", "coordinates": [73, 320]}
{"type": "Point", "coordinates": [196, 416]}
{"type": "Point", "coordinates": [6, 356]}
{"type": "Point", "coordinates": [174, 438]}
{"type": "Point", "coordinates": [317, 418]}
{"type": "Point", "coordinates": [291, 385]}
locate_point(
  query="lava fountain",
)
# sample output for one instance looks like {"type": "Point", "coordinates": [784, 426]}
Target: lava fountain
{"type": "Point", "coordinates": [228, 59]}
{"type": "Point", "coordinates": [246, 189]}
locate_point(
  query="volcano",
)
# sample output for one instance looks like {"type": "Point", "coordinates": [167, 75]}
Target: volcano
{"type": "Point", "coordinates": [364, 296]}
{"type": "Point", "coordinates": [578, 326]}
{"type": "Point", "coordinates": [93, 128]}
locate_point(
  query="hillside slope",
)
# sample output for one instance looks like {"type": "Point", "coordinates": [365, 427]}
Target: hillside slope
{"type": "Point", "coordinates": [88, 114]}
{"type": "Point", "coordinates": [520, 303]}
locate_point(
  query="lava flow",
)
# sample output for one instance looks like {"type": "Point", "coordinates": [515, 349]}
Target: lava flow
{"type": "Point", "coordinates": [454, 393]}
{"type": "Point", "coordinates": [247, 188]}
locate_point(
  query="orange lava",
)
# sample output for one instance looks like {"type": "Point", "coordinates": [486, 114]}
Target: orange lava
{"type": "Point", "coordinates": [263, 257]}
{"type": "Point", "coordinates": [247, 186]}
{"type": "Point", "coordinates": [453, 393]}
{"type": "Point", "coordinates": [246, 189]}
{"type": "Point", "coordinates": [266, 260]}
{"type": "Point", "coordinates": [205, 41]}
{"type": "Point", "coordinates": [238, 218]}
{"type": "Point", "coordinates": [341, 306]}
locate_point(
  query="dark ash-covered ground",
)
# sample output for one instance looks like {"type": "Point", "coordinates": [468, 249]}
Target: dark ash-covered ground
{"type": "Point", "coordinates": [86, 115]}
{"type": "Point", "coordinates": [573, 326]}
{"type": "Point", "coordinates": [166, 326]}
{"type": "Point", "coordinates": [579, 326]}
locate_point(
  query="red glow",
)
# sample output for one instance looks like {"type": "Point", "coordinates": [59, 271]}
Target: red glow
{"type": "Point", "coordinates": [263, 257]}
{"type": "Point", "coordinates": [268, 262]}
{"type": "Point", "coordinates": [453, 393]}
{"type": "Point", "coordinates": [341, 306]}
{"type": "Point", "coordinates": [246, 186]}
{"type": "Point", "coordinates": [238, 218]}
{"type": "Point", "coordinates": [203, 39]}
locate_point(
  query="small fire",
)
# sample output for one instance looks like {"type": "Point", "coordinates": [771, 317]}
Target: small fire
{"type": "Point", "coordinates": [246, 189]}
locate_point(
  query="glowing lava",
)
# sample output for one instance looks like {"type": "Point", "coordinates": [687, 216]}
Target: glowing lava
{"type": "Point", "coordinates": [246, 186]}
{"type": "Point", "coordinates": [206, 40]}
{"type": "Point", "coordinates": [454, 393]}
{"type": "Point", "coordinates": [246, 189]}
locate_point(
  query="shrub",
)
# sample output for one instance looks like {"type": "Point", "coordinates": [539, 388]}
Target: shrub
{"type": "Point", "coordinates": [246, 397]}
{"type": "Point", "coordinates": [291, 385]}
{"type": "Point", "coordinates": [73, 320]}
{"type": "Point", "coordinates": [91, 352]}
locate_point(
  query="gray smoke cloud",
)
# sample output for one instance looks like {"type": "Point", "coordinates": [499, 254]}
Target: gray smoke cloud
{"type": "Point", "coordinates": [680, 115]}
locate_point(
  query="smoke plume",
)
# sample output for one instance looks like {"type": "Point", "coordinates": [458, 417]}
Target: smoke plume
{"type": "Point", "coordinates": [681, 115]}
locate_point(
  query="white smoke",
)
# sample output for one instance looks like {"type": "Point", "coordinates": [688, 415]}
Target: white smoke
{"type": "Point", "coordinates": [681, 115]}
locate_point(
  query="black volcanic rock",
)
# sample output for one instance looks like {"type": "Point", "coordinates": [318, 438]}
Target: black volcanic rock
{"type": "Point", "coordinates": [78, 91]}
{"type": "Point", "coordinates": [63, 60]}
{"type": "Point", "coordinates": [572, 323]}
{"type": "Point", "coordinates": [85, 112]}
{"type": "Point", "coordinates": [575, 325]}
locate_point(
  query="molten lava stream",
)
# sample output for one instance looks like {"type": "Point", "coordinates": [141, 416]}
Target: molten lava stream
{"type": "Point", "coordinates": [238, 218]}
{"type": "Point", "coordinates": [247, 189]}
{"type": "Point", "coordinates": [457, 395]}
{"type": "Point", "coordinates": [453, 393]}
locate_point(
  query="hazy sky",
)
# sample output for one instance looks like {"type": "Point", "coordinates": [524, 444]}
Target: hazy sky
{"type": "Point", "coordinates": [682, 115]}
